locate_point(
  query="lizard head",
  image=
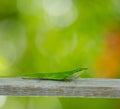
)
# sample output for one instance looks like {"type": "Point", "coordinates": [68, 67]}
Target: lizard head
{"type": "Point", "coordinates": [79, 69]}
{"type": "Point", "coordinates": [76, 73]}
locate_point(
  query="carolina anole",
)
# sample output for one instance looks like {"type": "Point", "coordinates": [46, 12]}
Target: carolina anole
{"type": "Point", "coordinates": [60, 76]}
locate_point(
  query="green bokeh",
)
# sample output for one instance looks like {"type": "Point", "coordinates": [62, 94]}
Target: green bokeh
{"type": "Point", "coordinates": [35, 39]}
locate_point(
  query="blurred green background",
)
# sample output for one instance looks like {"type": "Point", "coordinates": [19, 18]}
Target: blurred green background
{"type": "Point", "coordinates": [59, 35]}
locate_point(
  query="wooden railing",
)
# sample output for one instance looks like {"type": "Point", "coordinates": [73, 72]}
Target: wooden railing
{"type": "Point", "coordinates": [88, 87]}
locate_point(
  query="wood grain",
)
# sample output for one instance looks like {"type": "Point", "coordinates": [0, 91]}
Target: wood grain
{"type": "Point", "coordinates": [90, 88]}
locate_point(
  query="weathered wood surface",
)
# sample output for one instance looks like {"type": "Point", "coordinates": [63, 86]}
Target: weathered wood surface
{"type": "Point", "coordinates": [92, 88]}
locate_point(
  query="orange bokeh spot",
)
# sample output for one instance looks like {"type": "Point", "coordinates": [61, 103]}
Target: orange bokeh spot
{"type": "Point", "coordinates": [106, 66]}
{"type": "Point", "coordinates": [112, 42]}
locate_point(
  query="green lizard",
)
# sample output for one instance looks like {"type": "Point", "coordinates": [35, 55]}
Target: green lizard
{"type": "Point", "coordinates": [60, 76]}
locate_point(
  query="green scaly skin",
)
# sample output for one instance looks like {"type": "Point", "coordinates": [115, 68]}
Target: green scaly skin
{"type": "Point", "coordinates": [60, 76]}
